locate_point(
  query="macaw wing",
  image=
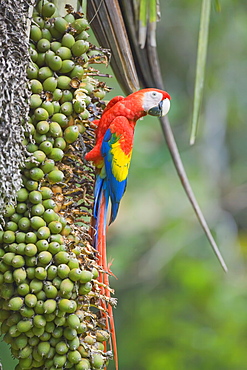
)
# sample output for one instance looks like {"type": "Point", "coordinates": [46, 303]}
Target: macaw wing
{"type": "Point", "coordinates": [113, 101]}
{"type": "Point", "coordinates": [116, 166]}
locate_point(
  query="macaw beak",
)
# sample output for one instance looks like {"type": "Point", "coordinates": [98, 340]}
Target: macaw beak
{"type": "Point", "coordinates": [161, 109]}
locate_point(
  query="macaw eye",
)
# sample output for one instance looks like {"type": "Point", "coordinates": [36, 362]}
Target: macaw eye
{"type": "Point", "coordinates": [154, 94]}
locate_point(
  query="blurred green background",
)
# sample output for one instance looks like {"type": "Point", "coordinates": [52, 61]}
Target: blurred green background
{"type": "Point", "coordinates": [176, 307]}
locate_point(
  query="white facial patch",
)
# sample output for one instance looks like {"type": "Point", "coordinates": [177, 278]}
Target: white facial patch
{"type": "Point", "coordinates": [151, 99]}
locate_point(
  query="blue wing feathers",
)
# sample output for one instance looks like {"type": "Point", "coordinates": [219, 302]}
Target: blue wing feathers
{"type": "Point", "coordinates": [107, 183]}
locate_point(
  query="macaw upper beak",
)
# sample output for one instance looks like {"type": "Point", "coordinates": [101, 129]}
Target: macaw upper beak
{"type": "Point", "coordinates": [161, 109]}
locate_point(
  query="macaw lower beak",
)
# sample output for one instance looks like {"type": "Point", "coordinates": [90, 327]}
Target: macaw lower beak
{"type": "Point", "coordinates": [161, 109]}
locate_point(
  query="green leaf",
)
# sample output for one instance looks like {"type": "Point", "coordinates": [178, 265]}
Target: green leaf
{"type": "Point", "coordinates": [200, 65]}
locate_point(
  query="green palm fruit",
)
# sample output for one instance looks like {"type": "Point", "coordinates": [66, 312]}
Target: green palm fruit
{"type": "Point", "coordinates": [42, 245]}
{"type": "Point", "coordinates": [35, 33]}
{"type": "Point", "coordinates": [41, 296]}
{"type": "Point", "coordinates": [80, 25]}
{"type": "Point", "coordinates": [42, 127]}
{"type": "Point", "coordinates": [54, 32]}
{"type": "Point", "coordinates": [79, 47]}
{"type": "Point", "coordinates": [21, 341]}
{"type": "Point", "coordinates": [73, 321]}
{"type": "Point", "coordinates": [67, 66]}
{"type": "Point", "coordinates": [44, 73]}
{"type": "Point", "coordinates": [38, 155]}
{"type": "Point", "coordinates": [37, 222]}
{"type": "Point", "coordinates": [45, 257]}
{"type": "Point", "coordinates": [50, 290]}
{"type": "Point", "coordinates": [32, 71]}
{"type": "Point", "coordinates": [74, 356]}
{"type": "Point", "coordinates": [43, 348]}
{"type": "Point", "coordinates": [50, 84]}
{"type": "Point", "coordinates": [46, 34]}
{"type": "Point", "coordinates": [82, 36]}
{"type": "Point", "coordinates": [55, 63]}
{"type": "Point", "coordinates": [73, 263]}
{"type": "Point", "coordinates": [69, 333]}
{"type": "Point", "coordinates": [56, 154]}
{"type": "Point", "coordinates": [48, 10]}
{"type": "Point", "coordinates": [64, 53]}
{"type": "Point", "coordinates": [31, 148]}
{"type": "Point", "coordinates": [71, 134]}
{"type": "Point", "coordinates": [22, 289]}
{"type": "Point", "coordinates": [61, 24]}
{"type": "Point", "coordinates": [20, 248]}
{"type": "Point", "coordinates": [10, 225]}
{"type": "Point", "coordinates": [63, 82]}
{"type": "Point", "coordinates": [47, 166]}
{"type": "Point", "coordinates": [56, 106]}
{"type": "Point", "coordinates": [39, 138]}
{"type": "Point", "coordinates": [75, 274]}
{"type": "Point", "coordinates": [59, 360]}
{"type": "Point", "coordinates": [74, 343]}
{"type": "Point", "coordinates": [69, 17]}
{"type": "Point", "coordinates": [9, 236]}
{"type": "Point", "coordinates": [24, 325]}
{"type": "Point", "coordinates": [55, 45]}
{"type": "Point", "coordinates": [36, 210]}
{"type": "Point", "coordinates": [57, 94]}
{"type": "Point", "coordinates": [15, 303]}
{"type": "Point", "coordinates": [78, 72]}
{"type": "Point", "coordinates": [85, 288]}
{"type": "Point", "coordinates": [51, 272]}
{"type": "Point", "coordinates": [31, 236]}
{"type": "Point", "coordinates": [83, 364]}
{"type": "Point", "coordinates": [60, 143]}
{"type": "Point", "coordinates": [25, 352]}
{"type": "Point", "coordinates": [7, 277]}
{"type": "Point", "coordinates": [49, 203]}
{"type": "Point", "coordinates": [40, 273]}
{"type": "Point", "coordinates": [41, 114]}
{"type": "Point", "coordinates": [61, 348]}
{"type": "Point", "coordinates": [40, 61]}
{"type": "Point", "coordinates": [48, 56]}
{"type": "Point", "coordinates": [66, 97]}
{"type": "Point", "coordinates": [68, 40]}
{"type": "Point", "coordinates": [46, 146]}
{"type": "Point", "coordinates": [97, 360]}
{"type": "Point", "coordinates": [47, 105]}
{"type": "Point", "coordinates": [31, 249]}
{"type": "Point", "coordinates": [40, 276]}
{"type": "Point", "coordinates": [35, 197]}
{"type": "Point", "coordinates": [24, 223]}
{"type": "Point", "coordinates": [50, 306]}
{"type": "Point", "coordinates": [60, 118]}
{"type": "Point", "coordinates": [39, 21]}
{"type": "Point", "coordinates": [30, 300]}
{"type": "Point", "coordinates": [55, 130]}
{"type": "Point", "coordinates": [19, 275]}
{"type": "Point", "coordinates": [63, 271]}
{"type": "Point", "coordinates": [67, 108]}
{"type": "Point", "coordinates": [43, 45]}
{"type": "Point", "coordinates": [33, 55]}
{"type": "Point", "coordinates": [54, 247]}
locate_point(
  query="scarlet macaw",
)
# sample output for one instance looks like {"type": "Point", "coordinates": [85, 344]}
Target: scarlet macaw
{"type": "Point", "coordinates": [111, 155]}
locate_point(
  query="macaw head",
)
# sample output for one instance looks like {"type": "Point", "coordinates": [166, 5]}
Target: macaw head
{"type": "Point", "coordinates": [156, 102]}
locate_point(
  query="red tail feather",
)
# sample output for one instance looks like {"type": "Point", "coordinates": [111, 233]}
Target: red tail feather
{"type": "Point", "coordinates": [104, 277]}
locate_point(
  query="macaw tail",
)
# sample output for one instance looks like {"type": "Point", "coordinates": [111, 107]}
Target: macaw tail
{"type": "Point", "coordinates": [100, 214]}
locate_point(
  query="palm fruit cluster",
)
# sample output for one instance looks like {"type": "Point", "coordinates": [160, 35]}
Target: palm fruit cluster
{"type": "Point", "coordinates": [48, 267]}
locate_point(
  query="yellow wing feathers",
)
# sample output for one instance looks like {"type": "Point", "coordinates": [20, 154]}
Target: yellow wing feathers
{"type": "Point", "coordinates": [120, 162]}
